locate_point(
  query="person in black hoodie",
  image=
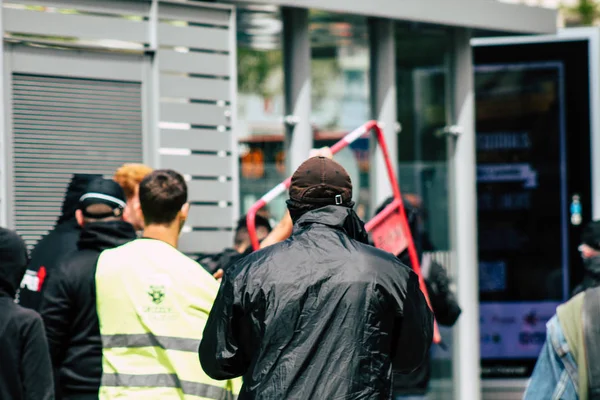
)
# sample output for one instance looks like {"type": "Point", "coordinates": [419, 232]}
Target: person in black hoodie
{"type": "Point", "coordinates": [443, 301]}
{"type": "Point", "coordinates": [59, 242]}
{"type": "Point", "coordinates": [69, 301]}
{"type": "Point", "coordinates": [590, 254]}
{"type": "Point", "coordinates": [25, 368]}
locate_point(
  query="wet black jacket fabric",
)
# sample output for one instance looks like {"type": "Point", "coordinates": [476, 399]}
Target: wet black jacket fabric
{"type": "Point", "coordinates": [69, 309]}
{"type": "Point", "coordinates": [322, 315]}
{"type": "Point", "coordinates": [25, 369]}
{"type": "Point", "coordinates": [45, 257]}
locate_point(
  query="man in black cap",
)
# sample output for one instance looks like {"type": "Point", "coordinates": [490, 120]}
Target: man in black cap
{"type": "Point", "coordinates": [59, 242]}
{"type": "Point", "coordinates": [321, 315]}
{"type": "Point", "coordinates": [69, 300]}
{"type": "Point", "coordinates": [25, 369]}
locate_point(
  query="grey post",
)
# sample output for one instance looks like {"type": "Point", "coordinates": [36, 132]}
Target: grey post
{"type": "Point", "coordinates": [5, 221]}
{"type": "Point", "coordinates": [463, 215]}
{"type": "Point", "coordinates": [383, 105]}
{"type": "Point", "coordinates": [296, 67]}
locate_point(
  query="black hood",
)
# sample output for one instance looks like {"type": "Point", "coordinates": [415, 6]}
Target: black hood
{"type": "Point", "coordinates": [338, 217]}
{"type": "Point", "coordinates": [13, 262]}
{"type": "Point", "coordinates": [591, 272]}
{"type": "Point", "coordinates": [101, 235]}
{"type": "Point", "coordinates": [75, 190]}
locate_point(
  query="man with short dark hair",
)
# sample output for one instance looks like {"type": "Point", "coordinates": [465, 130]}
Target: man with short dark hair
{"type": "Point", "coordinates": [153, 302]}
{"type": "Point", "coordinates": [69, 302]}
{"type": "Point", "coordinates": [242, 246]}
{"type": "Point", "coordinates": [321, 315]}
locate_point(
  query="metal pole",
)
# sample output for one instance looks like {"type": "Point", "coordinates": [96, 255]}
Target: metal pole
{"type": "Point", "coordinates": [296, 67]}
{"type": "Point", "coordinates": [463, 215]}
{"type": "Point", "coordinates": [4, 137]}
{"type": "Point", "coordinates": [151, 143]}
{"type": "Point", "coordinates": [383, 105]}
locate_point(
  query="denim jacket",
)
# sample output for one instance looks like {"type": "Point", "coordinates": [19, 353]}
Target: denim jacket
{"type": "Point", "coordinates": [555, 376]}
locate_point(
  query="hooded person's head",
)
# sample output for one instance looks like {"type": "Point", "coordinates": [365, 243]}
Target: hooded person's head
{"type": "Point", "coordinates": [13, 261]}
{"type": "Point", "coordinates": [590, 240]}
{"type": "Point", "coordinates": [317, 183]}
{"type": "Point", "coordinates": [77, 188]}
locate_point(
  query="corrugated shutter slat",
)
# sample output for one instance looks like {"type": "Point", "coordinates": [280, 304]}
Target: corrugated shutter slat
{"type": "Point", "coordinates": [63, 126]}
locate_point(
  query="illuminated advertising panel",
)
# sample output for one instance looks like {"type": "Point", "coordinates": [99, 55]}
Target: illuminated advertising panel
{"type": "Point", "coordinates": [522, 210]}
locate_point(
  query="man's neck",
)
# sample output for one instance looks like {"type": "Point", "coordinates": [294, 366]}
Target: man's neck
{"type": "Point", "coordinates": [165, 233]}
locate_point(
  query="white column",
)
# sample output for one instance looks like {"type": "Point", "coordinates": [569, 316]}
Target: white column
{"type": "Point", "coordinates": [5, 219]}
{"type": "Point", "coordinates": [296, 67]}
{"type": "Point", "coordinates": [463, 216]}
{"type": "Point", "coordinates": [383, 105]}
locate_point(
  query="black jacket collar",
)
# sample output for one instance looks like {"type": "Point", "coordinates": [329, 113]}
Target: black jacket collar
{"type": "Point", "coordinates": [336, 217]}
{"type": "Point", "coordinates": [102, 235]}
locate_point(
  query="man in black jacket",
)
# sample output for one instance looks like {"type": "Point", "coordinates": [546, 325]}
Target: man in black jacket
{"type": "Point", "coordinates": [413, 386]}
{"type": "Point", "coordinates": [322, 315]}
{"type": "Point", "coordinates": [590, 255]}
{"type": "Point", "coordinates": [69, 302]}
{"type": "Point", "coordinates": [241, 245]}
{"type": "Point", "coordinates": [59, 242]}
{"type": "Point", "coordinates": [25, 369]}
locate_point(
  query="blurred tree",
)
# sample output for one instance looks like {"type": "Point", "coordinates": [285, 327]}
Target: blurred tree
{"type": "Point", "coordinates": [255, 67]}
{"type": "Point", "coordinates": [584, 13]}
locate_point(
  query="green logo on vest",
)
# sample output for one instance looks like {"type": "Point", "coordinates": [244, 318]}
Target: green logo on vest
{"type": "Point", "coordinates": [157, 293]}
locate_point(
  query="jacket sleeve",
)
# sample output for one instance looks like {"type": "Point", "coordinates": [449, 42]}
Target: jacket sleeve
{"type": "Point", "coordinates": [552, 378]}
{"type": "Point", "coordinates": [416, 329]}
{"type": "Point", "coordinates": [35, 368]}
{"type": "Point", "coordinates": [221, 353]}
{"type": "Point", "coordinates": [443, 300]}
{"type": "Point", "coordinates": [56, 313]}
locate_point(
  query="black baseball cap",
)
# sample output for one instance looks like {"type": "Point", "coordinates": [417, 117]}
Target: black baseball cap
{"type": "Point", "coordinates": [103, 191]}
{"type": "Point", "coordinates": [321, 181]}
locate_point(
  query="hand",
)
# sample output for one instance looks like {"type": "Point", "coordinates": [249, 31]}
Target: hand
{"type": "Point", "coordinates": [218, 275]}
{"type": "Point", "coordinates": [322, 152]}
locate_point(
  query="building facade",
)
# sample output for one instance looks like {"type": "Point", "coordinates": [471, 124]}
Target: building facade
{"type": "Point", "coordinates": [234, 95]}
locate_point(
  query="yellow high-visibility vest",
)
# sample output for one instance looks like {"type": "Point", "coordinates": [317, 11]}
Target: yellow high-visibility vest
{"type": "Point", "coordinates": [153, 303]}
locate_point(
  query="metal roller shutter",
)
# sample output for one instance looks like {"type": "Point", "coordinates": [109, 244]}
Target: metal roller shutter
{"type": "Point", "coordinates": [63, 126]}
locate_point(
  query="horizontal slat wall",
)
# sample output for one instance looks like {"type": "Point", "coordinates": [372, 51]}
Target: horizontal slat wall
{"type": "Point", "coordinates": [195, 53]}
{"type": "Point", "coordinates": [196, 139]}
{"type": "Point", "coordinates": [196, 37]}
{"type": "Point", "coordinates": [197, 63]}
{"type": "Point", "coordinates": [195, 56]}
{"type": "Point", "coordinates": [206, 241]}
{"type": "Point", "coordinates": [53, 137]}
{"type": "Point", "coordinates": [184, 87]}
{"type": "Point", "coordinates": [74, 25]}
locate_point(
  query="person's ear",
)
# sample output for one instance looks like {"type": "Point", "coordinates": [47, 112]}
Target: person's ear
{"type": "Point", "coordinates": [79, 218]}
{"type": "Point", "coordinates": [185, 210]}
{"type": "Point", "coordinates": [137, 210]}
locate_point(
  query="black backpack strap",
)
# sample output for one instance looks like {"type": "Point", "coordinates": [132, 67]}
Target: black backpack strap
{"type": "Point", "coordinates": [591, 336]}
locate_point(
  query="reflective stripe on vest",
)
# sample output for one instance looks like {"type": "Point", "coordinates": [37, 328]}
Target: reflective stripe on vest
{"type": "Point", "coordinates": [149, 340]}
{"type": "Point", "coordinates": [166, 380]}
